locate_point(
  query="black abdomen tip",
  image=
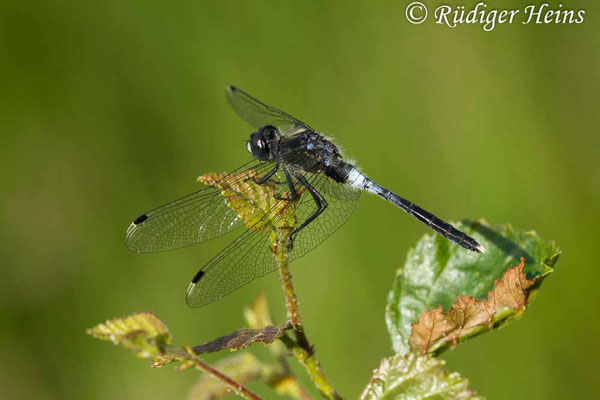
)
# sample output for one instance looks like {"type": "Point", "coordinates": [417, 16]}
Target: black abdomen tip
{"type": "Point", "coordinates": [140, 219]}
{"type": "Point", "coordinates": [199, 275]}
{"type": "Point", "coordinates": [232, 88]}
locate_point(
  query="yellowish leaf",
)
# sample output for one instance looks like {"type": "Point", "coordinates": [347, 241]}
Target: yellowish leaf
{"type": "Point", "coordinates": [257, 315]}
{"type": "Point", "coordinates": [141, 332]}
{"type": "Point", "coordinates": [253, 202]}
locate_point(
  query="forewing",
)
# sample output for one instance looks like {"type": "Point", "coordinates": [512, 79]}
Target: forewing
{"type": "Point", "coordinates": [258, 114]}
{"type": "Point", "coordinates": [251, 256]}
{"type": "Point", "coordinates": [192, 219]}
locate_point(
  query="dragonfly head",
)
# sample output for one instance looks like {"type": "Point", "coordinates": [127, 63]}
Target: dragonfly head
{"type": "Point", "coordinates": [264, 144]}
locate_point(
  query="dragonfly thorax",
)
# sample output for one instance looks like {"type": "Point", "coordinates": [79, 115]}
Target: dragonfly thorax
{"type": "Point", "coordinates": [309, 151]}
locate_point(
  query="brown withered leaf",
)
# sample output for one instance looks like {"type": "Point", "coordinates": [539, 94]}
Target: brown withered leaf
{"type": "Point", "coordinates": [243, 338]}
{"type": "Point", "coordinates": [258, 316]}
{"type": "Point", "coordinates": [431, 326]}
{"type": "Point", "coordinates": [511, 291]}
{"type": "Point", "coordinates": [468, 316]}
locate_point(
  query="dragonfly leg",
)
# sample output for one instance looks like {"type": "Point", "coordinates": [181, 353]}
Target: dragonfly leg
{"type": "Point", "coordinates": [266, 177]}
{"type": "Point", "coordinates": [293, 193]}
{"type": "Point", "coordinates": [321, 207]}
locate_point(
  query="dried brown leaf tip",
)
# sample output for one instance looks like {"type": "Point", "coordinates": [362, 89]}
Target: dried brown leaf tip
{"type": "Point", "coordinates": [469, 316]}
{"type": "Point", "coordinates": [243, 338]}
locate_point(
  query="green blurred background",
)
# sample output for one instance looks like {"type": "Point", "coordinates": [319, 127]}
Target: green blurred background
{"type": "Point", "coordinates": [111, 108]}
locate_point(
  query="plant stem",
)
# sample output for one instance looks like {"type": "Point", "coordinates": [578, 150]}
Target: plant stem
{"type": "Point", "coordinates": [182, 354]}
{"type": "Point", "coordinates": [301, 348]}
{"type": "Point", "coordinates": [258, 317]}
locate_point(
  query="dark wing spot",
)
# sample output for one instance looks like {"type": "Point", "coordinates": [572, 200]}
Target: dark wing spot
{"type": "Point", "coordinates": [199, 275]}
{"type": "Point", "coordinates": [232, 88]}
{"type": "Point", "coordinates": [140, 219]}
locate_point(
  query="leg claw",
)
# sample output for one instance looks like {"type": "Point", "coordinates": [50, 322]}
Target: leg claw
{"type": "Point", "coordinates": [290, 243]}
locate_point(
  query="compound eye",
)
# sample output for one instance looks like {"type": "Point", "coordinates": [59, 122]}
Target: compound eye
{"type": "Point", "coordinates": [271, 132]}
{"type": "Point", "coordinates": [248, 147]}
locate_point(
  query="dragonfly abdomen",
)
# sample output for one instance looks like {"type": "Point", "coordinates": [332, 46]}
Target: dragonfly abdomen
{"type": "Point", "coordinates": [359, 181]}
{"type": "Point", "coordinates": [355, 178]}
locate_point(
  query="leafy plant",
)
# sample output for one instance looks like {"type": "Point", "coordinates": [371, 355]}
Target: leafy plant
{"type": "Point", "coordinates": [442, 296]}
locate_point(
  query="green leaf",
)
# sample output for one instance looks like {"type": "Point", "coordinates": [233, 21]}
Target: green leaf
{"type": "Point", "coordinates": [141, 332]}
{"type": "Point", "coordinates": [416, 377]}
{"type": "Point", "coordinates": [437, 271]}
{"type": "Point", "coordinates": [257, 315]}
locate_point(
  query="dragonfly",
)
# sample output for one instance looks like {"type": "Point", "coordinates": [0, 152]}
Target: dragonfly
{"type": "Point", "coordinates": [306, 167]}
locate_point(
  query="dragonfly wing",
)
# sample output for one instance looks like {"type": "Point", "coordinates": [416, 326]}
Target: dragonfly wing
{"type": "Point", "coordinates": [341, 202]}
{"type": "Point", "coordinates": [258, 114]}
{"type": "Point", "coordinates": [192, 219]}
{"type": "Point", "coordinates": [245, 259]}
{"type": "Point", "coordinates": [250, 255]}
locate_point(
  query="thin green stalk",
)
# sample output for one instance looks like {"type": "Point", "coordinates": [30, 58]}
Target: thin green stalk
{"type": "Point", "coordinates": [300, 348]}
{"type": "Point", "coordinates": [181, 354]}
